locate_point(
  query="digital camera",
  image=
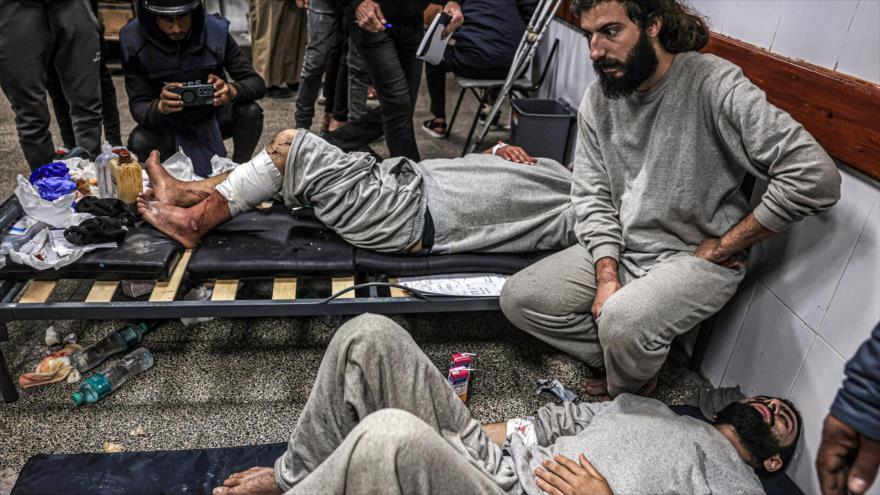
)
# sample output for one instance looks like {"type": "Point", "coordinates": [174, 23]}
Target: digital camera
{"type": "Point", "coordinates": [195, 95]}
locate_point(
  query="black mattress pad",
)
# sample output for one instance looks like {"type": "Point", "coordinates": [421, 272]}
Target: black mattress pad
{"type": "Point", "coordinates": [271, 242]}
{"type": "Point", "coordinates": [145, 254]}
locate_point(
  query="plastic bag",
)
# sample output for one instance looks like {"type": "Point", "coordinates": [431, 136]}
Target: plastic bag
{"type": "Point", "coordinates": [179, 166]}
{"type": "Point", "coordinates": [201, 293]}
{"type": "Point", "coordinates": [56, 213]}
{"type": "Point", "coordinates": [49, 249]}
{"type": "Point", "coordinates": [81, 169]}
{"type": "Point", "coordinates": [221, 164]}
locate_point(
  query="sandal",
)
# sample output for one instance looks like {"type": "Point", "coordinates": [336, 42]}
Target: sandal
{"type": "Point", "coordinates": [435, 128]}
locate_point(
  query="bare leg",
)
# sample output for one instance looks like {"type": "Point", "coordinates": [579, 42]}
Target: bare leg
{"type": "Point", "coordinates": [598, 387]}
{"type": "Point", "coordinates": [254, 481]}
{"type": "Point", "coordinates": [279, 147]}
{"type": "Point", "coordinates": [170, 191]}
{"type": "Point", "coordinates": [185, 225]}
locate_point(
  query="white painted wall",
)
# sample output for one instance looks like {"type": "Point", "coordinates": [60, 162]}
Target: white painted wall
{"type": "Point", "coordinates": [813, 292]}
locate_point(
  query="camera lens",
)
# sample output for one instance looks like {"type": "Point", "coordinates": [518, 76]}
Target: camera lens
{"type": "Point", "coordinates": [189, 96]}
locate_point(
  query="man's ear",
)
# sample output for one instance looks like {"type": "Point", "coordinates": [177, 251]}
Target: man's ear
{"type": "Point", "coordinates": [773, 464]}
{"type": "Point", "coordinates": [654, 26]}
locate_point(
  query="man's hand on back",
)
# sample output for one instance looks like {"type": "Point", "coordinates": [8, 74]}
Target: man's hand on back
{"type": "Point", "coordinates": [566, 477]}
{"type": "Point", "coordinates": [515, 154]}
{"type": "Point", "coordinates": [223, 92]}
{"type": "Point", "coordinates": [607, 283]}
{"type": "Point", "coordinates": [369, 16]}
{"type": "Point", "coordinates": [453, 9]}
{"type": "Point", "coordinates": [729, 250]}
{"type": "Point", "coordinates": [847, 461]}
{"type": "Point", "coordinates": [710, 250]}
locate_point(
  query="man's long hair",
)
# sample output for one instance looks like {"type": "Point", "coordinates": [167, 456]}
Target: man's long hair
{"type": "Point", "coordinates": [683, 30]}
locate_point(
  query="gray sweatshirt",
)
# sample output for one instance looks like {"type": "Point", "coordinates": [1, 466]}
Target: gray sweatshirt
{"type": "Point", "coordinates": [639, 445]}
{"type": "Point", "coordinates": [657, 172]}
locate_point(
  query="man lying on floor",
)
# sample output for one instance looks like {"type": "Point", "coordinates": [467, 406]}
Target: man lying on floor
{"type": "Point", "coordinates": [479, 203]}
{"type": "Point", "coordinates": [382, 419]}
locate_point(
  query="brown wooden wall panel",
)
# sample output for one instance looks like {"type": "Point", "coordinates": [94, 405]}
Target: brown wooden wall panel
{"type": "Point", "coordinates": [840, 111]}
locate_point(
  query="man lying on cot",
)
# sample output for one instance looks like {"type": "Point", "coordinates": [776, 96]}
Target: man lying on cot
{"type": "Point", "coordinates": [478, 203]}
{"type": "Point", "coordinates": [369, 427]}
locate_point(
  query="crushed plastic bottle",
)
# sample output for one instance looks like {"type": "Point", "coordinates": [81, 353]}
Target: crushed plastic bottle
{"type": "Point", "coordinates": [100, 384]}
{"type": "Point", "coordinates": [102, 166]}
{"type": "Point", "coordinates": [121, 340]}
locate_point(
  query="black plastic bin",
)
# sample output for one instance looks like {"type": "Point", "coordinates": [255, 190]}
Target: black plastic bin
{"type": "Point", "coordinates": [544, 128]}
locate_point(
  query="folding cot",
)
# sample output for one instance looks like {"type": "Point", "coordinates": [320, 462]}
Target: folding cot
{"type": "Point", "coordinates": [312, 271]}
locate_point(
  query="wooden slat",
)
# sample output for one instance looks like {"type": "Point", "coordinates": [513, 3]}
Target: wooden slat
{"type": "Point", "coordinates": [396, 292]}
{"type": "Point", "coordinates": [165, 290]}
{"type": "Point", "coordinates": [340, 283]}
{"type": "Point", "coordinates": [38, 291]}
{"type": "Point", "coordinates": [284, 288]}
{"type": "Point", "coordinates": [102, 291]}
{"type": "Point", "coordinates": [839, 110]}
{"type": "Point", "coordinates": [225, 290]}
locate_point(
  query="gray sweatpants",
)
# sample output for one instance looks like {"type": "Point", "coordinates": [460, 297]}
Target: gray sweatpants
{"type": "Point", "coordinates": [382, 419]}
{"type": "Point", "coordinates": [33, 35]}
{"type": "Point", "coordinates": [552, 299]}
{"type": "Point", "coordinates": [479, 203]}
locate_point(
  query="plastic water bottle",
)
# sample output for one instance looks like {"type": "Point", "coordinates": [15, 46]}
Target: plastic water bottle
{"type": "Point", "coordinates": [121, 340]}
{"type": "Point", "coordinates": [105, 178]}
{"type": "Point", "coordinates": [101, 384]}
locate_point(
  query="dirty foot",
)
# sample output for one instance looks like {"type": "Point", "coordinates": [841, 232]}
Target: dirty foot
{"type": "Point", "coordinates": [170, 191]}
{"type": "Point", "coordinates": [177, 223]}
{"type": "Point", "coordinates": [645, 390]}
{"type": "Point", "coordinates": [595, 386]}
{"type": "Point", "coordinates": [254, 481]}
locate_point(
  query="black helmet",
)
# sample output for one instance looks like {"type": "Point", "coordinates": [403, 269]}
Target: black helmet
{"type": "Point", "coordinates": [170, 7]}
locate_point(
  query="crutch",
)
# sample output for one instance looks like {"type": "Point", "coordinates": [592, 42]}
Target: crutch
{"type": "Point", "coordinates": [538, 24]}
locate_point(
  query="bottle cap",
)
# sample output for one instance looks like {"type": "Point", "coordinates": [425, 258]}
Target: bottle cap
{"type": "Point", "coordinates": [78, 398]}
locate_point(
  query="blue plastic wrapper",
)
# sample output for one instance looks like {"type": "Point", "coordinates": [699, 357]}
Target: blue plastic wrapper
{"type": "Point", "coordinates": [54, 169]}
{"type": "Point", "coordinates": [52, 188]}
{"type": "Point", "coordinates": [556, 388]}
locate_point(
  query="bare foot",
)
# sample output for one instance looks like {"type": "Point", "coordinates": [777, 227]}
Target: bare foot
{"type": "Point", "coordinates": [336, 124]}
{"type": "Point", "coordinates": [596, 385]}
{"type": "Point", "coordinates": [185, 225]}
{"type": "Point", "coordinates": [254, 481]}
{"type": "Point", "coordinates": [170, 191]}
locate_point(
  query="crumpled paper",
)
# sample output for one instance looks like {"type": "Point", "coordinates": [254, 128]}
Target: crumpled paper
{"type": "Point", "coordinates": [53, 368]}
{"type": "Point", "coordinates": [56, 213]}
{"type": "Point", "coordinates": [49, 249]}
{"type": "Point", "coordinates": [556, 388]}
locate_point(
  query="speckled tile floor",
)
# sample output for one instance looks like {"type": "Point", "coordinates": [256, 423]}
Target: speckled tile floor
{"type": "Point", "coordinates": [244, 381]}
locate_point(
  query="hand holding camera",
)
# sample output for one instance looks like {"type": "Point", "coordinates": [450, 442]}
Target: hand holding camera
{"type": "Point", "coordinates": [170, 101]}
{"type": "Point", "coordinates": [223, 92]}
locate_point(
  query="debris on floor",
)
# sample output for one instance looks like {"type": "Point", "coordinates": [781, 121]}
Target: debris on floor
{"type": "Point", "coordinates": [51, 369]}
{"type": "Point", "coordinates": [556, 388]}
{"type": "Point", "coordinates": [113, 448]}
{"type": "Point", "coordinates": [138, 431]}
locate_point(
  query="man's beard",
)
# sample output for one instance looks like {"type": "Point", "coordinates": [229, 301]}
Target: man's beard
{"type": "Point", "coordinates": [640, 63]}
{"type": "Point", "coordinates": [756, 435]}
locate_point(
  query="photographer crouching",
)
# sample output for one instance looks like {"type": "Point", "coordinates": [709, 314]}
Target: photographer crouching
{"type": "Point", "coordinates": [175, 57]}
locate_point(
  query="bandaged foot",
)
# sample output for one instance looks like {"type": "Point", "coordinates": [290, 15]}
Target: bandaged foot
{"type": "Point", "coordinates": [254, 481]}
{"type": "Point", "coordinates": [170, 191]}
{"type": "Point", "coordinates": [185, 225]}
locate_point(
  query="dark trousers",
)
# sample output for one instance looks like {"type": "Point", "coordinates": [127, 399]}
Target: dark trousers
{"type": "Point", "coordinates": [336, 82]}
{"type": "Point", "coordinates": [243, 123]}
{"type": "Point", "coordinates": [435, 76]}
{"type": "Point", "coordinates": [33, 36]}
{"type": "Point", "coordinates": [109, 110]}
{"type": "Point", "coordinates": [390, 57]}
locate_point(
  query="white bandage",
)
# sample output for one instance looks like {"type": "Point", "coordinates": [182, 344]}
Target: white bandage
{"type": "Point", "coordinates": [251, 183]}
{"type": "Point", "coordinates": [524, 428]}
